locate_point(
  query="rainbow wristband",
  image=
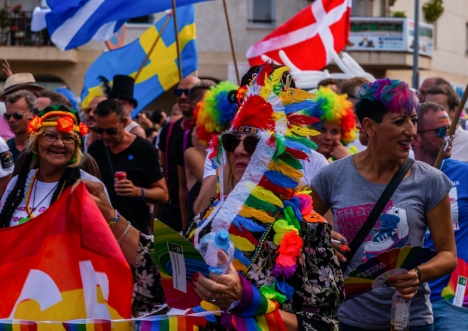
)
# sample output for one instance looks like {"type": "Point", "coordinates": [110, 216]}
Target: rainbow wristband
{"type": "Point", "coordinates": [253, 302]}
{"type": "Point", "coordinates": [254, 311]}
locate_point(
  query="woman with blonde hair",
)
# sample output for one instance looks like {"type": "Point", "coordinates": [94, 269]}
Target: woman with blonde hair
{"type": "Point", "coordinates": [54, 153]}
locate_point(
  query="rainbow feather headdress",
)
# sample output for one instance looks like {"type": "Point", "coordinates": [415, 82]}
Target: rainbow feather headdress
{"type": "Point", "coordinates": [270, 190]}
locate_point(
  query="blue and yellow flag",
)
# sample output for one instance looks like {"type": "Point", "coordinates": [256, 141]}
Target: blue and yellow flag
{"type": "Point", "coordinates": [160, 72]}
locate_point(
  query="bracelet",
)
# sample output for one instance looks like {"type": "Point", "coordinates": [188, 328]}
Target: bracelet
{"type": "Point", "coordinates": [124, 233]}
{"type": "Point", "coordinates": [418, 272]}
{"type": "Point", "coordinates": [115, 220]}
{"type": "Point", "coordinates": [143, 194]}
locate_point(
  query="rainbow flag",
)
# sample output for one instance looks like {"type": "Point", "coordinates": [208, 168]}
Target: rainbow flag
{"type": "Point", "coordinates": [17, 325]}
{"type": "Point", "coordinates": [170, 323]}
{"type": "Point", "coordinates": [88, 325]}
{"type": "Point", "coordinates": [64, 265]}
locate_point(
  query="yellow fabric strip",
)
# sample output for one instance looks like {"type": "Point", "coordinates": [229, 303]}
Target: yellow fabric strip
{"type": "Point", "coordinates": [238, 265]}
{"type": "Point", "coordinates": [268, 196]}
{"type": "Point", "coordinates": [285, 170]}
{"type": "Point", "coordinates": [260, 215]}
{"type": "Point", "coordinates": [242, 244]}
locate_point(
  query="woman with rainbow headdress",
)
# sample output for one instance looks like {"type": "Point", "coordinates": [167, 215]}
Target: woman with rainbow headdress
{"type": "Point", "coordinates": [285, 274]}
{"type": "Point", "coordinates": [337, 124]}
{"type": "Point", "coordinates": [387, 111]}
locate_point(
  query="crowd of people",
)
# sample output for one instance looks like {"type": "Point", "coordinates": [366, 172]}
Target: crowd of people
{"type": "Point", "coordinates": [292, 175]}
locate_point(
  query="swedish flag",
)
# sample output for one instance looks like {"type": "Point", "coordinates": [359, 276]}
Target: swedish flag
{"type": "Point", "coordinates": [160, 72]}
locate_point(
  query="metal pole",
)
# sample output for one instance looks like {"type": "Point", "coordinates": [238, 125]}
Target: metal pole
{"type": "Point", "coordinates": [179, 60]}
{"type": "Point", "coordinates": [232, 42]}
{"type": "Point", "coordinates": [142, 65]}
{"type": "Point", "coordinates": [416, 46]}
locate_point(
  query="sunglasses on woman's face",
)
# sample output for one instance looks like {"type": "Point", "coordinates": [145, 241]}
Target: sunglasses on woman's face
{"type": "Point", "coordinates": [441, 132]}
{"type": "Point", "coordinates": [17, 116]}
{"type": "Point", "coordinates": [231, 141]}
{"type": "Point", "coordinates": [110, 131]}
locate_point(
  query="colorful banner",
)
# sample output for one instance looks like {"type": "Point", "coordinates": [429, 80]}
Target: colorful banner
{"type": "Point", "coordinates": [64, 265]}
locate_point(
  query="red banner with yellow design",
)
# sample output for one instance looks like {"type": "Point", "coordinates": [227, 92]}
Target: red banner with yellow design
{"type": "Point", "coordinates": [64, 265]}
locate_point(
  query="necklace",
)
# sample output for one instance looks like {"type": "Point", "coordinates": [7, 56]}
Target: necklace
{"type": "Point", "coordinates": [30, 210]}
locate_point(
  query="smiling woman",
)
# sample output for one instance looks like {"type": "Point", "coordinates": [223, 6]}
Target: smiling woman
{"type": "Point", "coordinates": [54, 154]}
{"type": "Point", "coordinates": [350, 187]}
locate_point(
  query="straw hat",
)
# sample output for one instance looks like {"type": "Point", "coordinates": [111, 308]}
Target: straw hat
{"type": "Point", "coordinates": [18, 82]}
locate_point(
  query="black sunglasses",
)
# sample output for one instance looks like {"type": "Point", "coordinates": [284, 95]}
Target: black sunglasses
{"type": "Point", "coordinates": [110, 131]}
{"type": "Point", "coordinates": [231, 141]}
{"type": "Point", "coordinates": [441, 132]}
{"type": "Point", "coordinates": [17, 116]}
{"type": "Point", "coordinates": [178, 92]}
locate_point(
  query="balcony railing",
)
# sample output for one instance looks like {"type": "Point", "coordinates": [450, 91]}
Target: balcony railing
{"type": "Point", "coordinates": [15, 30]}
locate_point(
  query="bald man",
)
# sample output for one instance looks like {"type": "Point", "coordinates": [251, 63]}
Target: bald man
{"type": "Point", "coordinates": [170, 212]}
{"type": "Point", "coordinates": [428, 83]}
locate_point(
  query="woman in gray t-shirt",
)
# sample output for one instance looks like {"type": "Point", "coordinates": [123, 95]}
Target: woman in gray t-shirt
{"type": "Point", "coordinates": [351, 187]}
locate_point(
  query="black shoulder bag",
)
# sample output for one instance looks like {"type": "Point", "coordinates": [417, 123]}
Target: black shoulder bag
{"type": "Point", "coordinates": [376, 211]}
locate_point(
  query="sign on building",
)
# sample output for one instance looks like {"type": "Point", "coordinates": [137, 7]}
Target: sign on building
{"type": "Point", "coordinates": [389, 34]}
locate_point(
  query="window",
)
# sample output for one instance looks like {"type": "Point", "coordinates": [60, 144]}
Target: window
{"type": "Point", "coordinates": [369, 8]}
{"type": "Point", "coordinates": [262, 12]}
{"type": "Point", "coordinates": [466, 38]}
{"type": "Point", "coordinates": [147, 19]}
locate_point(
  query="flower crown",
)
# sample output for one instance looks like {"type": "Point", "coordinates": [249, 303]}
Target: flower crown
{"type": "Point", "coordinates": [68, 120]}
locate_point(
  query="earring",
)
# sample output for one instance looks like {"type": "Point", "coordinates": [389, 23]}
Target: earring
{"type": "Point", "coordinates": [34, 156]}
{"type": "Point", "coordinates": [72, 160]}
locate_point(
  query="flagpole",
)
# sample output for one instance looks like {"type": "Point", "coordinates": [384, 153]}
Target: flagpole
{"type": "Point", "coordinates": [453, 127]}
{"type": "Point", "coordinates": [153, 46]}
{"type": "Point", "coordinates": [176, 29]}
{"type": "Point", "coordinates": [231, 41]}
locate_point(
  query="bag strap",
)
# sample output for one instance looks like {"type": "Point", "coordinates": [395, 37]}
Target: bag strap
{"type": "Point", "coordinates": [184, 148]}
{"type": "Point", "coordinates": [376, 211]}
{"type": "Point", "coordinates": [166, 161]}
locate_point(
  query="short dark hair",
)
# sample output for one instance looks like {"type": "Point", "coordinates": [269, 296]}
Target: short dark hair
{"type": "Point", "coordinates": [106, 107]}
{"type": "Point", "coordinates": [375, 110]}
{"type": "Point", "coordinates": [55, 98]}
{"type": "Point", "coordinates": [424, 108]}
{"type": "Point", "coordinates": [349, 85]}
{"type": "Point", "coordinates": [197, 92]}
{"type": "Point", "coordinates": [327, 82]}
{"type": "Point", "coordinates": [157, 116]}
{"type": "Point", "coordinates": [452, 97]}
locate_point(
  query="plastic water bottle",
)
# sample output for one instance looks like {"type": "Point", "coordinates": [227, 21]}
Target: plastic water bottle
{"type": "Point", "coordinates": [210, 245]}
{"type": "Point", "coordinates": [400, 313]}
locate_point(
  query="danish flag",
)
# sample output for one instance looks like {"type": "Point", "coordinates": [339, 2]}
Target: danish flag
{"type": "Point", "coordinates": [308, 37]}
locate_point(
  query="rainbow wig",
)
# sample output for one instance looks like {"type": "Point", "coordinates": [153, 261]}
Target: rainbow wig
{"type": "Point", "coordinates": [336, 108]}
{"type": "Point", "coordinates": [395, 95]}
{"type": "Point", "coordinates": [215, 112]}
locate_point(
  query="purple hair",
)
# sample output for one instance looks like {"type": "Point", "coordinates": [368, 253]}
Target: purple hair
{"type": "Point", "coordinates": [395, 95]}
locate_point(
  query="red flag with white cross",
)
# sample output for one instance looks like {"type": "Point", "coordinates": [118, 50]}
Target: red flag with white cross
{"type": "Point", "coordinates": [308, 38]}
